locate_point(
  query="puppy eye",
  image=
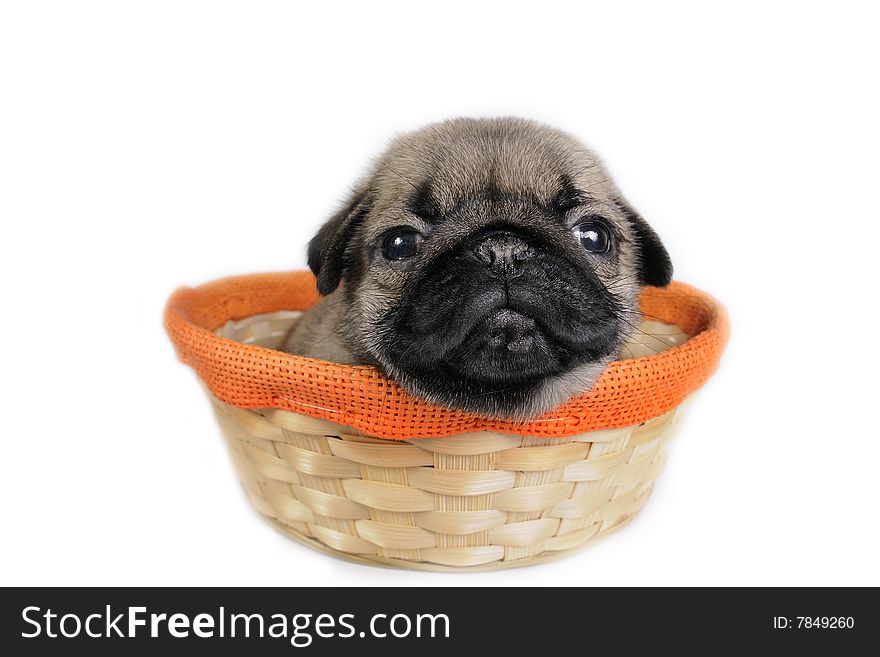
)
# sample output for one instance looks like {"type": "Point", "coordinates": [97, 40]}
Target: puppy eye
{"type": "Point", "coordinates": [401, 245]}
{"type": "Point", "coordinates": [593, 236]}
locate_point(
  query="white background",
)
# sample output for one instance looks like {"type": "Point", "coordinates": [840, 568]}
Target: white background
{"type": "Point", "coordinates": [148, 145]}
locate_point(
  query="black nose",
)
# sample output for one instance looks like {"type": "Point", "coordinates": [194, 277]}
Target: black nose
{"type": "Point", "coordinates": [503, 252]}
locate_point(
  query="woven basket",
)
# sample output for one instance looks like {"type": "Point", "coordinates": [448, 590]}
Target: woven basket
{"type": "Point", "coordinates": [397, 481]}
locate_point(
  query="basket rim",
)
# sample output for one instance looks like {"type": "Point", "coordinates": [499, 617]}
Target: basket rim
{"type": "Point", "coordinates": [362, 399]}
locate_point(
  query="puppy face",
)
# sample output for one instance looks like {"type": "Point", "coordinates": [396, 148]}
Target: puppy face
{"type": "Point", "coordinates": [488, 265]}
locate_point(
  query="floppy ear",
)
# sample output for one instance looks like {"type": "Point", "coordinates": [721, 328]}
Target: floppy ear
{"type": "Point", "coordinates": [327, 249]}
{"type": "Point", "coordinates": [656, 267]}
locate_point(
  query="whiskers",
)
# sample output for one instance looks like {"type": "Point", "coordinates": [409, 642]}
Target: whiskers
{"type": "Point", "coordinates": [633, 318]}
{"type": "Point", "coordinates": [309, 347]}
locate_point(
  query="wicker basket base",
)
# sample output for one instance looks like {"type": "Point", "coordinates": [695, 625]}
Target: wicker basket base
{"type": "Point", "coordinates": [474, 501]}
{"type": "Point", "coordinates": [387, 562]}
{"type": "Point", "coordinates": [477, 501]}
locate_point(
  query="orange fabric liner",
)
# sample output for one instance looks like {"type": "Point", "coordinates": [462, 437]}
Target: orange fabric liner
{"type": "Point", "coordinates": [248, 376]}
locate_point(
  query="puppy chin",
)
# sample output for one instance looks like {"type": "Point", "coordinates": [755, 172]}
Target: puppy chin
{"type": "Point", "coordinates": [506, 400]}
{"type": "Point", "coordinates": [506, 367]}
{"type": "Point", "coordinates": [505, 348]}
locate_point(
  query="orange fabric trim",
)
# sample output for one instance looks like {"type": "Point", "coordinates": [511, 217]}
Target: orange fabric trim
{"type": "Point", "coordinates": [247, 376]}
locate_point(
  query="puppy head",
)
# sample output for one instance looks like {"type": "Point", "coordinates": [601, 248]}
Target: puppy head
{"type": "Point", "coordinates": [489, 265]}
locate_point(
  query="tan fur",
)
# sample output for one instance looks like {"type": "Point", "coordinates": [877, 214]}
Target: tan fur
{"type": "Point", "coordinates": [461, 158]}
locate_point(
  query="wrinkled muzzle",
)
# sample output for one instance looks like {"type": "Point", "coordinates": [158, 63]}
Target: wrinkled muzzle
{"type": "Point", "coordinates": [503, 306]}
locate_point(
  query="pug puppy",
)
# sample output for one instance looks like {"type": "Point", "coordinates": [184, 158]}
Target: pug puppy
{"type": "Point", "coordinates": [487, 265]}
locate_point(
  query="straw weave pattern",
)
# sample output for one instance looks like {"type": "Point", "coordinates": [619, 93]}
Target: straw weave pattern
{"type": "Point", "coordinates": [398, 482]}
{"type": "Point", "coordinates": [471, 501]}
{"type": "Point", "coordinates": [479, 500]}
